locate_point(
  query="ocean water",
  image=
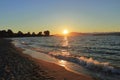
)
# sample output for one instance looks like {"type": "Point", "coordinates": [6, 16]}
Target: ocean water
{"type": "Point", "coordinates": [99, 56]}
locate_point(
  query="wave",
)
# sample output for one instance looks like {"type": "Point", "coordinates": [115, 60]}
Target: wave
{"type": "Point", "coordinates": [89, 63]}
{"type": "Point", "coordinates": [54, 46]}
{"type": "Point", "coordinates": [115, 48]}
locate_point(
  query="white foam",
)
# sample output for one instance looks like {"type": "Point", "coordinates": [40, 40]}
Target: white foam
{"type": "Point", "coordinates": [89, 63]}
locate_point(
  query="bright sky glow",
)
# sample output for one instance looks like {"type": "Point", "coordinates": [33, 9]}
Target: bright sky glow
{"type": "Point", "coordinates": [65, 31]}
{"type": "Point", "coordinates": [53, 15]}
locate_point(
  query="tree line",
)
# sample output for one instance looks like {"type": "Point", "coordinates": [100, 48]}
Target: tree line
{"type": "Point", "coordinates": [10, 33]}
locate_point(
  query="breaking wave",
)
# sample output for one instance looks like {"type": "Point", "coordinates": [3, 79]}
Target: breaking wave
{"type": "Point", "coordinates": [89, 63]}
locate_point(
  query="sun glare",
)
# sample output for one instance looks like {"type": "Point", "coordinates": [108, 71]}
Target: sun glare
{"type": "Point", "coordinates": [65, 31]}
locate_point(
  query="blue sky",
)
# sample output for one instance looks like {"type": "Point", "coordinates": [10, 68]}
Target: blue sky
{"type": "Point", "coordinates": [56, 15]}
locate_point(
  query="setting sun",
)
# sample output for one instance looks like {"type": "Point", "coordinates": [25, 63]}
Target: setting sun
{"type": "Point", "coordinates": [65, 31]}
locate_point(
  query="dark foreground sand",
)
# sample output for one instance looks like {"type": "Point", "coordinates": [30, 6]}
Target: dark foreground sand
{"type": "Point", "coordinates": [14, 65]}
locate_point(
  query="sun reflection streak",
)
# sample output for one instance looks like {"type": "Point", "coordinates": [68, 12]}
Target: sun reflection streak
{"type": "Point", "coordinates": [65, 41]}
{"type": "Point", "coordinates": [62, 63]}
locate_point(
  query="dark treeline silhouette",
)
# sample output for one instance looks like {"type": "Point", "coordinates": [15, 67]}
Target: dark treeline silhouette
{"type": "Point", "coordinates": [10, 33]}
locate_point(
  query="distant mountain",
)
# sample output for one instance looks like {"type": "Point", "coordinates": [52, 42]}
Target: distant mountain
{"type": "Point", "coordinates": [72, 34]}
{"type": "Point", "coordinates": [77, 34]}
{"type": "Point", "coordinates": [107, 33]}
{"type": "Point", "coordinates": [94, 34]}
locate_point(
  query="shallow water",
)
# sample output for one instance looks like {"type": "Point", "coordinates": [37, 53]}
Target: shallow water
{"type": "Point", "coordinates": [99, 55]}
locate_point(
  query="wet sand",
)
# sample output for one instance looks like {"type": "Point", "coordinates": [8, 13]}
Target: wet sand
{"type": "Point", "coordinates": [14, 65]}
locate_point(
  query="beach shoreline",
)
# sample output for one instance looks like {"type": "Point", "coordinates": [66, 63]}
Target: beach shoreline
{"type": "Point", "coordinates": [21, 66]}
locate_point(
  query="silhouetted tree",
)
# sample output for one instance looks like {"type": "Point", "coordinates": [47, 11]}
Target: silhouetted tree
{"type": "Point", "coordinates": [39, 34]}
{"type": "Point", "coordinates": [28, 34]}
{"type": "Point", "coordinates": [47, 33]}
{"type": "Point", "coordinates": [33, 34]}
{"type": "Point", "coordinates": [3, 33]}
{"type": "Point", "coordinates": [20, 34]}
{"type": "Point", "coordinates": [10, 33]}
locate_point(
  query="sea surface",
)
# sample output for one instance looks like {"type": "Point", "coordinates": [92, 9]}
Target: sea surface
{"type": "Point", "coordinates": [98, 56]}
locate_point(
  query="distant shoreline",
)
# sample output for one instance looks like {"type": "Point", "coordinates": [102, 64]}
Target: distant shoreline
{"type": "Point", "coordinates": [92, 34]}
{"type": "Point", "coordinates": [9, 34]}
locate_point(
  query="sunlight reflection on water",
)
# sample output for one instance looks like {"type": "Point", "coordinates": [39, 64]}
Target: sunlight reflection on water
{"type": "Point", "coordinates": [65, 41]}
{"type": "Point", "coordinates": [62, 63]}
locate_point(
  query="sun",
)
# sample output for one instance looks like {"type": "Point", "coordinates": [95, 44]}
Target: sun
{"type": "Point", "coordinates": [65, 31]}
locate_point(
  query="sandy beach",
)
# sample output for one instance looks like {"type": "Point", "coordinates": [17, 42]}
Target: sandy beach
{"type": "Point", "coordinates": [14, 65]}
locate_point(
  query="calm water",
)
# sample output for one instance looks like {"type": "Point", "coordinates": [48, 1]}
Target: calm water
{"type": "Point", "coordinates": [99, 55]}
